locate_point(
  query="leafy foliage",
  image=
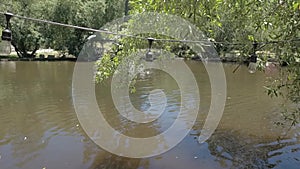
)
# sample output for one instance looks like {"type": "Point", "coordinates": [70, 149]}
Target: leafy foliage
{"type": "Point", "coordinates": [29, 36]}
{"type": "Point", "coordinates": [239, 22]}
{"type": "Point", "coordinates": [25, 35]}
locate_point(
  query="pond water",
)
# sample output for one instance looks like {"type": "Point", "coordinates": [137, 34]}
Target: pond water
{"type": "Point", "coordinates": [39, 128]}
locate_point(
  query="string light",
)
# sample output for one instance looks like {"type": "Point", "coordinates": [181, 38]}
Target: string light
{"type": "Point", "coordinates": [6, 37]}
{"type": "Point", "coordinates": [149, 54]}
{"type": "Point", "coordinates": [253, 59]}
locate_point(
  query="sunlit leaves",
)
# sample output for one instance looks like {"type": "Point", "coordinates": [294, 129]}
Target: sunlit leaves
{"type": "Point", "coordinates": [244, 22]}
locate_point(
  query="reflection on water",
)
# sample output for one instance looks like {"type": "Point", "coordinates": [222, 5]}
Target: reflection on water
{"type": "Point", "coordinates": [39, 128]}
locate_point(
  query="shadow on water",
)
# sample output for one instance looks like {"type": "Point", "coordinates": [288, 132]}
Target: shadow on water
{"type": "Point", "coordinates": [235, 151]}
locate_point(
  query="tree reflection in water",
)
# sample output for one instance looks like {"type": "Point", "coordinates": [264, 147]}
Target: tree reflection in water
{"type": "Point", "coordinates": [232, 150]}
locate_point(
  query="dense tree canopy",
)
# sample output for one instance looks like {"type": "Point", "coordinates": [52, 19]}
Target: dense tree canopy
{"type": "Point", "coordinates": [29, 36]}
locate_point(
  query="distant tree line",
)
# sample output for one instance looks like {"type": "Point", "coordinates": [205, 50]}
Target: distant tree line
{"type": "Point", "coordinates": [29, 36]}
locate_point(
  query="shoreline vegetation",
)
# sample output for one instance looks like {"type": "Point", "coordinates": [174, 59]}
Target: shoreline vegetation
{"type": "Point", "coordinates": [74, 59]}
{"type": "Point", "coordinates": [41, 55]}
{"type": "Point", "coordinates": [52, 55]}
{"type": "Point", "coordinates": [12, 58]}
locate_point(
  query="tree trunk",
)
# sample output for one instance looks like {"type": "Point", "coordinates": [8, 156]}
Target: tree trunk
{"type": "Point", "coordinates": [23, 53]}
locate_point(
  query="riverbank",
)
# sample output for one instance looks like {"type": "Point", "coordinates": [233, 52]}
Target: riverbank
{"type": "Point", "coordinates": [5, 59]}
{"type": "Point", "coordinates": [8, 59]}
{"type": "Point", "coordinates": [233, 57]}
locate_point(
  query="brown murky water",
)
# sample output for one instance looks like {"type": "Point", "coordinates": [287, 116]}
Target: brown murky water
{"type": "Point", "coordinates": [39, 127]}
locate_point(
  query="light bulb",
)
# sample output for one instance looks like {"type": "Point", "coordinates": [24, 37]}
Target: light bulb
{"type": "Point", "coordinates": [252, 67]}
{"type": "Point", "coordinates": [149, 56]}
{"type": "Point", "coordinates": [5, 48]}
